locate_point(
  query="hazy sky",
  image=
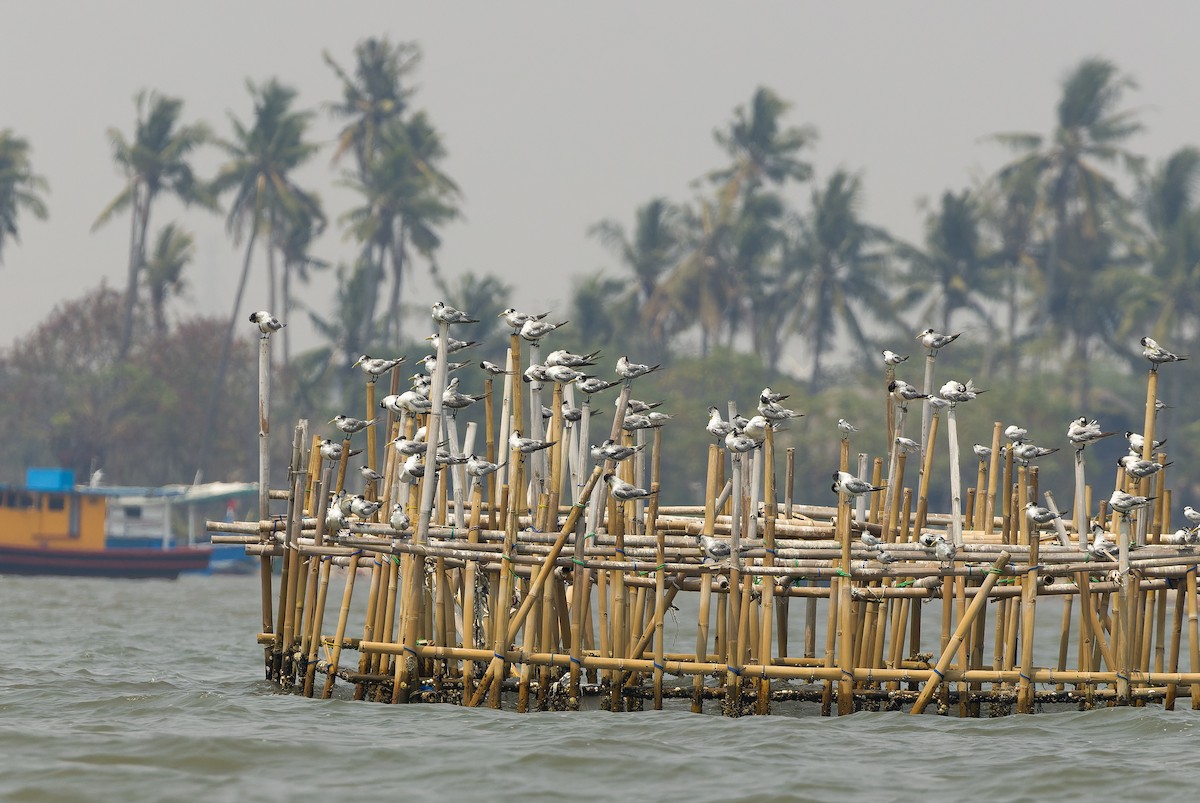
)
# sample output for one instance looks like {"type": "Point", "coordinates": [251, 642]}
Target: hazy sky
{"type": "Point", "coordinates": [558, 114]}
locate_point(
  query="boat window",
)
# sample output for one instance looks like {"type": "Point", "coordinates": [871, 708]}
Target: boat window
{"type": "Point", "coordinates": [132, 512]}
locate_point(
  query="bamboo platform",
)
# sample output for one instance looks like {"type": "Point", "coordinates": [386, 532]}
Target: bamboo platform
{"type": "Point", "coordinates": [558, 596]}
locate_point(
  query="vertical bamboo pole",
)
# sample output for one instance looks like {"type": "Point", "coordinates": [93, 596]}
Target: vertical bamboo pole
{"type": "Point", "coordinates": [702, 619]}
{"type": "Point", "coordinates": [264, 484]}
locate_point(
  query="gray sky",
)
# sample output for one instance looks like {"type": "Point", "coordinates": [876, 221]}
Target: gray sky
{"type": "Point", "coordinates": [557, 115]}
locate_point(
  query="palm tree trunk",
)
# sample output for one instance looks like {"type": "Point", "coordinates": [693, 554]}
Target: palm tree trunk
{"type": "Point", "coordinates": [214, 398]}
{"type": "Point", "coordinates": [397, 284]}
{"type": "Point", "coordinates": [137, 239]}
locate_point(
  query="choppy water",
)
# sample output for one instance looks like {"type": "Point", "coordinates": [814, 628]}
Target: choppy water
{"type": "Point", "coordinates": [151, 690]}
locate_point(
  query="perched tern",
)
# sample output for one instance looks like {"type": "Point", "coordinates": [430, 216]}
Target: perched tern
{"type": "Point", "coordinates": [870, 541]}
{"type": "Point", "coordinates": [1156, 354]}
{"type": "Point", "coordinates": [1137, 442]}
{"type": "Point", "coordinates": [452, 345]}
{"type": "Point", "coordinates": [362, 507]}
{"type": "Point", "coordinates": [614, 451]}
{"type": "Point", "coordinates": [944, 551]}
{"type": "Point", "coordinates": [430, 361]}
{"type": "Point", "coordinates": [632, 370]}
{"type": "Point", "coordinates": [1136, 467]}
{"type": "Point", "coordinates": [527, 445]}
{"type": "Point", "coordinates": [563, 374]}
{"type": "Point", "coordinates": [957, 392]}
{"type": "Point", "coordinates": [847, 483]}
{"type": "Point", "coordinates": [413, 467]}
{"type": "Point", "coordinates": [907, 445]}
{"type": "Point", "coordinates": [892, 358]}
{"type": "Point", "coordinates": [1081, 431]}
{"type": "Point", "coordinates": [332, 450]}
{"type": "Point", "coordinates": [491, 368]}
{"type": "Point", "coordinates": [1028, 450]}
{"type": "Point", "coordinates": [903, 392]}
{"type": "Point", "coordinates": [636, 405]}
{"type": "Point", "coordinates": [775, 412]}
{"type": "Point", "coordinates": [266, 322]}
{"type": "Point", "coordinates": [717, 426]}
{"type": "Point", "coordinates": [369, 474]}
{"type": "Point", "coordinates": [769, 396]}
{"type": "Point", "coordinates": [737, 442]}
{"type": "Point", "coordinates": [934, 341]}
{"type": "Point", "coordinates": [564, 357]}
{"type": "Point", "coordinates": [350, 425]}
{"type": "Point", "coordinates": [478, 467]}
{"type": "Point", "coordinates": [634, 421]}
{"type": "Point", "coordinates": [845, 427]}
{"type": "Point", "coordinates": [517, 319]}
{"type": "Point", "coordinates": [595, 385]}
{"type": "Point", "coordinates": [622, 490]}
{"type": "Point", "coordinates": [534, 330]}
{"type": "Point", "coordinates": [1015, 433]}
{"type": "Point", "coordinates": [399, 519]}
{"type": "Point", "coordinates": [981, 451]}
{"type": "Point", "coordinates": [375, 367]}
{"type": "Point", "coordinates": [1191, 514]}
{"type": "Point", "coordinates": [1040, 515]}
{"type": "Point", "coordinates": [442, 313]}
{"type": "Point", "coordinates": [1125, 503]}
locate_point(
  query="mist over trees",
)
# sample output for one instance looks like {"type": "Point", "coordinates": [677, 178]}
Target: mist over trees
{"type": "Point", "coordinates": [759, 272]}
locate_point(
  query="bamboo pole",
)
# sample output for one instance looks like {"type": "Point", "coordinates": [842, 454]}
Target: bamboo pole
{"type": "Point", "coordinates": [938, 672]}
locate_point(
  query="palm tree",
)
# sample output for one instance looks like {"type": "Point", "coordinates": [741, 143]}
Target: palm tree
{"type": "Point", "coordinates": [654, 248]}
{"type": "Point", "coordinates": [373, 97]}
{"type": "Point", "coordinates": [759, 149]}
{"type": "Point", "coordinates": [294, 243]}
{"type": "Point", "coordinates": [20, 187]}
{"type": "Point", "coordinates": [266, 200]}
{"type": "Point", "coordinates": [952, 270]}
{"type": "Point", "coordinates": [406, 199]}
{"type": "Point", "coordinates": [842, 262]}
{"type": "Point", "coordinates": [155, 161]}
{"type": "Point", "coordinates": [173, 250]}
{"type": "Point", "coordinates": [1083, 205]}
{"type": "Point", "coordinates": [263, 157]}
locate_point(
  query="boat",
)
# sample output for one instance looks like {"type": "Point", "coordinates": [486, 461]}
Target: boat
{"type": "Point", "coordinates": [50, 525]}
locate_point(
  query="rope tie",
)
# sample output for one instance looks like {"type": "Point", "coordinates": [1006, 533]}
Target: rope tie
{"type": "Point", "coordinates": [936, 671]}
{"type": "Point", "coordinates": [735, 671]}
{"type": "Point", "coordinates": [1024, 677]}
{"type": "Point", "coordinates": [660, 667]}
{"type": "Point", "coordinates": [575, 660]}
{"type": "Point", "coordinates": [409, 649]}
{"type": "Point", "coordinates": [498, 655]}
{"type": "Point", "coordinates": [1123, 677]}
{"type": "Point", "coordinates": [579, 562]}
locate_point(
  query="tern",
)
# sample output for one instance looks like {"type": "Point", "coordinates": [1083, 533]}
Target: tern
{"type": "Point", "coordinates": [775, 412]}
{"type": "Point", "coordinates": [369, 474]}
{"type": "Point", "coordinates": [944, 551]}
{"type": "Point", "coordinates": [636, 405]}
{"type": "Point", "coordinates": [1015, 433]}
{"type": "Point", "coordinates": [1177, 538]}
{"type": "Point", "coordinates": [1136, 467]}
{"type": "Point", "coordinates": [892, 358]}
{"type": "Point", "coordinates": [845, 427]}
{"type": "Point", "coordinates": [452, 345]}
{"type": "Point", "coordinates": [1156, 354]}
{"type": "Point", "coordinates": [1137, 442]}
{"type": "Point", "coordinates": [934, 341]}
{"type": "Point", "coordinates": [1191, 514]}
{"type": "Point", "coordinates": [594, 384]}
{"type": "Point", "coordinates": [981, 451]}
{"type": "Point", "coordinates": [847, 483]}
{"type": "Point", "coordinates": [413, 402]}
{"type": "Point", "coordinates": [614, 451]}
{"type": "Point", "coordinates": [413, 467]}
{"type": "Point", "coordinates": [563, 374]}
{"type": "Point", "coordinates": [938, 403]}
{"type": "Point", "coordinates": [517, 319]}
{"type": "Point", "coordinates": [714, 548]}
{"type": "Point", "coordinates": [907, 445]}
{"type": "Point", "coordinates": [564, 357]}
{"type": "Point", "coordinates": [631, 370]}
{"type": "Point", "coordinates": [1040, 515]}
{"type": "Point", "coordinates": [534, 330]}
{"type": "Point", "coordinates": [478, 467]}
{"type": "Point", "coordinates": [350, 425]}
{"type": "Point", "coordinates": [769, 396]}
{"type": "Point", "coordinates": [1100, 545]}
{"type": "Point", "coordinates": [737, 442]}
{"type": "Point", "coordinates": [399, 519]}
{"type": "Point", "coordinates": [624, 491]}
{"type": "Point", "coordinates": [957, 392]}
{"type": "Point", "coordinates": [492, 369]}
{"type": "Point", "coordinates": [1028, 450]}
{"type": "Point", "coordinates": [406, 446]}
{"type": "Point", "coordinates": [266, 322]}
{"type": "Point", "coordinates": [635, 421]}
{"type": "Point", "coordinates": [332, 450]}
{"type": "Point", "coordinates": [430, 360]}
{"type": "Point", "coordinates": [717, 426]}
{"type": "Point", "coordinates": [903, 392]}
{"type": "Point", "coordinates": [362, 507]}
{"type": "Point", "coordinates": [527, 445]}
{"type": "Point", "coordinates": [536, 372]}
{"type": "Point", "coordinates": [375, 367]}
{"type": "Point", "coordinates": [928, 539]}
{"type": "Point", "coordinates": [1081, 431]}
{"type": "Point", "coordinates": [870, 541]}
{"type": "Point", "coordinates": [1127, 502]}
{"type": "Point", "coordinates": [442, 313]}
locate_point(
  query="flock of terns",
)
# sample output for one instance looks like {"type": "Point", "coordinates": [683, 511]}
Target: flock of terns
{"type": "Point", "coordinates": [738, 435]}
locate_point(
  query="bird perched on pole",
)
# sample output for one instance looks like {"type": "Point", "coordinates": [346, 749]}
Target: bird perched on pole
{"type": "Point", "coordinates": [446, 314]}
{"type": "Point", "coordinates": [892, 358]}
{"type": "Point", "coordinates": [624, 491]}
{"type": "Point", "coordinates": [934, 341]}
{"type": "Point", "coordinates": [332, 450]}
{"type": "Point", "coordinates": [847, 483]}
{"type": "Point", "coordinates": [1040, 515]}
{"type": "Point", "coordinates": [1081, 432]}
{"type": "Point", "coordinates": [375, 367]}
{"type": "Point", "coordinates": [517, 319]}
{"type": "Point", "coordinates": [350, 425]}
{"type": "Point", "coordinates": [527, 445]}
{"type": "Point", "coordinates": [266, 322]}
{"type": "Point", "coordinates": [1156, 354]}
{"type": "Point", "coordinates": [631, 370]}
{"type": "Point", "coordinates": [534, 330]}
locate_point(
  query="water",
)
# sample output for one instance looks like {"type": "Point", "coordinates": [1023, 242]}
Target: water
{"type": "Point", "coordinates": [152, 690]}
